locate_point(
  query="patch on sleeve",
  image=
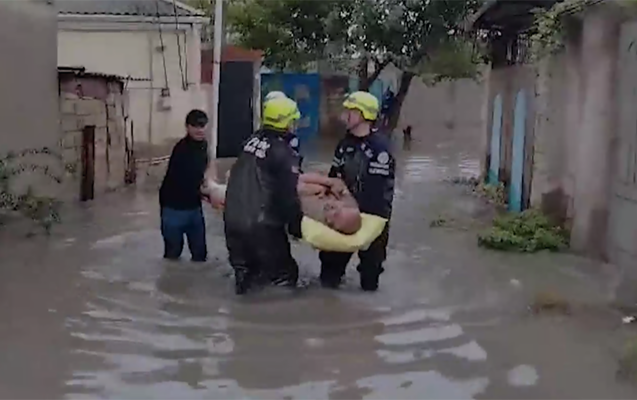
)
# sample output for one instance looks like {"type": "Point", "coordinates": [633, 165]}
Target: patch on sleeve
{"type": "Point", "coordinates": [381, 165]}
{"type": "Point", "coordinates": [383, 157]}
{"type": "Point", "coordinates": [294, 143]}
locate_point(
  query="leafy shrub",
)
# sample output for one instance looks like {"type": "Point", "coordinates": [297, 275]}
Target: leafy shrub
{"type": "Point", "coordinates": [529, 231]}
{"type": "Point", "coordinates": [42, 210]}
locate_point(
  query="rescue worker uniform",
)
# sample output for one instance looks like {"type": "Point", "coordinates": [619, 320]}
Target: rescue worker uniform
{"type": "Point", "coordinates": [367, 167]}
{"type": "Point", "coordinates": [295, 145]}
{"type": "Point", "coordinates": [262, 203]}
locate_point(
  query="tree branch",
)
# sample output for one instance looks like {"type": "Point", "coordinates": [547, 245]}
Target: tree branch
{"type": "Point", "coordinates": [378, 69]}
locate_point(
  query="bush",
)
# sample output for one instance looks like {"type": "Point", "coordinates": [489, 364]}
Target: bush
{"type": "Point", "coordinates": [495, 194]}
{"type": "Point", "coordinates": [42, 210]}
{"type": "Point", "coordinates": [529, 231]}
{"type": "Point", "coordinates": [628, 361]}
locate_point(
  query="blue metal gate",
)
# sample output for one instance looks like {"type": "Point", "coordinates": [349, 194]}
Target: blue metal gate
{"type": "Point", "coordinates": [305, 89]}
{"type": "Point", "coordinates": [517, 163]}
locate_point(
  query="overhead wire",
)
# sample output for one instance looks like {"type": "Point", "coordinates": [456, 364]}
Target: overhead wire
{"type": "Point", "coordinates": [184, 81]}
{"type": "Point", "coordinates": [163, 47]}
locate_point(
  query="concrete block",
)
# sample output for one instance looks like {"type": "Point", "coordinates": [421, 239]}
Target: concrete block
{"type": "Point", "coordinates": [69, 96]}
{"type": "Point", "coordinates": [67, 107]}
{"type": "Point", "coordinates": [69, 123]}
{"type": "Point", "coordinates": [100, 120]}
{"type": "Point", "coordinates": [70, 155]}
{"type": "Point", "coordinates": [69, 139]}
{"type": "Point", "coordinates": [115, 127]}
{"type": "Point", "coordinates": [90, 107]}
{"type": "Point", "coordinates": [111, 99]}
{"type": "Point", "coordinates": [111, 111]}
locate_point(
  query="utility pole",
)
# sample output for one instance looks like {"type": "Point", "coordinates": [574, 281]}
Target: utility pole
{"type": "Point", "coordinates": [216, 73]}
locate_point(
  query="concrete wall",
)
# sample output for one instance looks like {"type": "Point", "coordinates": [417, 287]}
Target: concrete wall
{"type": "Point", "coordinates": [622, 235]}
{"type": "Point", "coordinates": [446, 105]}
{"type": "Point", "coordinates": [135, 50]}
{"type": "Point", "coordinates": [28, 79]}
{"type": "Point", "coordinates": [584, 139]}
{"type": "Point", "coordinates": [550, 146]}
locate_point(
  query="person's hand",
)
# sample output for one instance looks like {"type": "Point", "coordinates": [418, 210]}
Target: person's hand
{"type": "Point", "coordinates": [218, 203]}
{"type": "Point", "coordinates": [215, 202]}
{"type": "Point", "coordinates": [337, 187]}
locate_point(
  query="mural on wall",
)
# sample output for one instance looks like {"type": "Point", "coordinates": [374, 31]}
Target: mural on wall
{"type": "Point", "coordinates": [305, 89]}
{"type": "Point", "coordinates": [517, 163]}
{"type": "Point", "coordinates": [496, 135]}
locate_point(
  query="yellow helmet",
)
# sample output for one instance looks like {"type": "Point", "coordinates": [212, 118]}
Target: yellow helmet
{"type": "Point", "coordinates": [280, 112]}
{"type": "Point", "coordinates": [364, 102]}
{"type": "Point", "coordinates": [274, 95]}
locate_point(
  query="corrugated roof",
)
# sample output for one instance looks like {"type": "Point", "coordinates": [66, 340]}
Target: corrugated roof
{"type": "Point", "coordinates": [81, 71]}
{"type": "Point", "coordinates": [123, 7]}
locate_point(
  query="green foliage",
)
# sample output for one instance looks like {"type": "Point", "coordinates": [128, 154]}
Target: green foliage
{"type": "Point", "coordinates": [40, 209]}
{"type": "Point", "coordinates": [628, 361]}
{"type": "Point", "coordinates": [529, 231]}
{"type": "Point", "coordinates": [456, 59]}
{"type": "Point", "coordinates": [291, 33]}
{"type": "Point", "coordinates": [550, 27]}
{"type": "Point", "coordinates": [495, 194]}
{"type": "Point", "coordinates": [409, 33]}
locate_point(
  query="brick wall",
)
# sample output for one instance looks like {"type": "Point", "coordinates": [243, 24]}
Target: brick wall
{"type": "Point", "coordinates": [107, 116]}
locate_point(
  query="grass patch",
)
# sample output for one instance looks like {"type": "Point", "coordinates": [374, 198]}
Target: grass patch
{"type": "Point", "coordinates": [628, 361]}
{"type": "Point", "coordinates": [526, 232]}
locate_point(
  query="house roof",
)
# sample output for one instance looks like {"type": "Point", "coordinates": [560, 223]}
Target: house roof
{"type": "Point", "coordinates": [81, 72]}
{"type": "Point", "coordinates": [148, 8]}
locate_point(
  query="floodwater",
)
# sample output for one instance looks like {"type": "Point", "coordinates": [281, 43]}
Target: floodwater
{"type": "Point", "coordinates": [94, 312]}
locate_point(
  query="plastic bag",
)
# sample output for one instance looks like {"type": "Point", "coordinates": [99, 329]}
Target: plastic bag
{"type": "Point", "coordinates": [325, 238]}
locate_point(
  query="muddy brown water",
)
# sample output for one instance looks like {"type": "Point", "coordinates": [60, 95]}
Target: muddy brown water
{"type": "Point", "coordinates": [93, 312]}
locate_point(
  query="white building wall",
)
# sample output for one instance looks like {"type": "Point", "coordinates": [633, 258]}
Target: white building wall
{"type": "Point", "coordinates": [135, 50]}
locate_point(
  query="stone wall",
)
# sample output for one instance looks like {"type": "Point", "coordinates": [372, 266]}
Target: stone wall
{"type": "Point", "coordinates": [107, 115]}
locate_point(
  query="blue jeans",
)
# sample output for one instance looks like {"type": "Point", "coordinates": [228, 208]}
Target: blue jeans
{"type": "Point", "coordinates": [177, 223]}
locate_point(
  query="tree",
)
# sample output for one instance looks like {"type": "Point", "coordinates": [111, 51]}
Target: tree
{"type": "Point", "coordinates": [292, 33]}
{"type": "Point", "coordinates": [418, 36]}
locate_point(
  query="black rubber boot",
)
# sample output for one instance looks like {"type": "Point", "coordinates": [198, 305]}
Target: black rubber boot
{"type": "Point", "coordinates": [330, 282]}
{"type": "Point", "coordinates": [289, 280]}
{"type": "Point", "coordinates": [369, 282]}
{"type": "Point", "coordinates": [242, 282]}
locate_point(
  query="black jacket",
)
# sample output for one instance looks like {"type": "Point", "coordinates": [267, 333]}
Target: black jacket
{"type": "Point", "coordinates": [180, 189]}
{"type": "Point", "coordinates": [261, 190]}
{"type": "Point", "coordinates": [367, 167]}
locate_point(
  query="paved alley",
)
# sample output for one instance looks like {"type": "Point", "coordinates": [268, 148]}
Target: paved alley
{"type": "Point", "coordinates": [94, 312]}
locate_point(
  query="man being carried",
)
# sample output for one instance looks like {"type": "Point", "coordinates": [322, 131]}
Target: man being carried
{"type": "Point", "coordinates": [323, 199]}
{"type": "Point", "coordinates": [328, 201]}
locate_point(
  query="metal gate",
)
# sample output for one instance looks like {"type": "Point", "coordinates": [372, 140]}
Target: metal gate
{"type": "Point", "coordinates": [305, 89]}
{"type": "Point", "coordinates": [623, 210]}
{"type": "Point", "coordinates": [236, 88]}
{"type": "Point", "coordinates": [517, 161]}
